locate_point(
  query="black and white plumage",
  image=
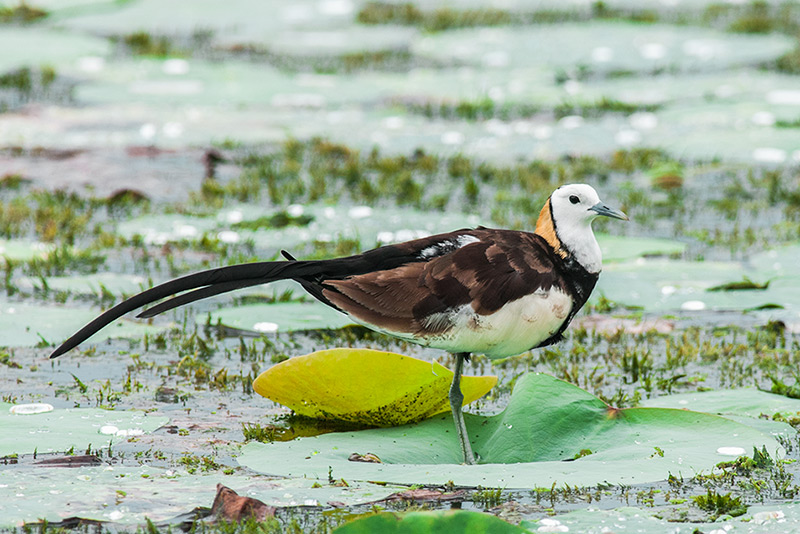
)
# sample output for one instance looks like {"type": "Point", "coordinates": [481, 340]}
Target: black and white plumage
{"type": "Point", "coordinates": [497, 292]}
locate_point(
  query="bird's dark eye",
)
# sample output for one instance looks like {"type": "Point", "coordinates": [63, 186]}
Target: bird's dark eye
{"type": "Point", "coordinates": [574, 199]}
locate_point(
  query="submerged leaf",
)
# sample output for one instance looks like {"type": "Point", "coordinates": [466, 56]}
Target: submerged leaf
{"type": "Point", "coordinates": [743, 285]}
{"type": "Point", "coordinates": [73, 428]}
{"type": "Point", "coordinates": [429, 523]}
{"type": "Point", "coordinates": [365, 386]}
{"type": "Point", "coordinates": [533, 443]}
{"type": "Point", "coordinates": [280, 317]}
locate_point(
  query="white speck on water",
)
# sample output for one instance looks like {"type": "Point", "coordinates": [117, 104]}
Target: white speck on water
{"type": "Point", "coordinates": [704, 49]}
{"type": "Point", "coordinates": [310, 502]}
{"type": "Point", "coordinates": [393, 123]}
{"type": "Point", "coordinates": [116, 515]}
{"type": "Point", "coordinates": [543, 132]}
{"type": "Point", "coordinates": [628, 137]}
{"type": "Point", "coordinates": [769, 155]}
{"type": "Point", "coordinates": [148, 130]}
{"type": "Point", "coordinates": [385, 237]}
{"type": "Point", "coordinates": [452, 138]}
{"type": "Point", "coordinates": [295, 13]}
{"type": "Point", "coordinates": [496, 59]}
{"type": "Point", "coordinates": [760, 518]}
{"type": "Point", "coordinates": [304, 100]}
{"type": "Point", "coordinates": [725, 91]}
{"type": "Point", "coordinates": [175, 66]}
{"type": "Point", "coordinates": [731, 451]}
{"type": "Point", "coordinates": [668, 290]}
{"type": "Point", "coordinates": [128, 432]}
{"type": "Point", "coordinates": [91, 63]}
{"type": "Point", "coordinates": [784, 97]}
{"type": "Point", "coordinates": [329, 213]}
{"type": "Point", "coordinates": [653, 51]}
{"type": "Point", "coordinates": [548, 524]}
{"type": "Point", "coordinates": [173, 129]}
{"type": "Point", "coordinates": [55, 492]}
{"type": "Point", "coordinates": [496, 93]}
{"type": "Point", "coordinates": [407, 235]}
{"type": "Point", "coordinates": [693, 305]}
{"type": "Point", "coordinates": [295, 210]}
{"type": "Point", "coordinates": [683, 401]}
{"type": "Point", "coordinates": [571, 122]}
{"type": "Point", "coordinates": [228, 236]}
{"type": "Point", "coordinates": [763, 118]}
{"type": "Point", "coordinates": [602, 54]}
{"type": "Point", "coordinates": [186, 230]}
{"type": "Point", "coordinates": [234, 216]}
{"type": "Point", "coordinates": [643, 120]}
{"type": "Point", "coordinates": [336, 7]}
{"type": "Point", "coordinates": [572, 87]}
{"type": "Point", "coordinates": [30, 409]}
{"type": "Point", "coordinates": [266, 327]}
{"type": "Point", "coordinates": [498, 128]}
{"type": "Point", "coordinates": [360, 212]}
{"type": "Point", "coordinates": [109, 430]}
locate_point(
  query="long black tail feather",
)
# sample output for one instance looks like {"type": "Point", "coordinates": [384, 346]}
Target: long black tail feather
{"type": "Point", "coordinates": [309, 274]}
{"type": "Point", "coordinates": [195, 295]}
{"type": "Point", "coordinates": [218, 280]}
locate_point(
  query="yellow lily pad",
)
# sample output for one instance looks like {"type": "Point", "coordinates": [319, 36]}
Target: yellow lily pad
{"type": "Point", "coordinates": [365, 386]}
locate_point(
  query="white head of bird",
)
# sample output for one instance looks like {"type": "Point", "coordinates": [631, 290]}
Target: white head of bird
{"type": "Point", "coordinates": [572, 208]}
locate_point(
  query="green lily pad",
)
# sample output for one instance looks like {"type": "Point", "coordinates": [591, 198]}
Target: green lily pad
{"type": "Point", "coordinates": [35, 47]}
{"type": "Point", "coordinates": [534, 442]}
{"type": "Point", "coordinates": [279, 317]}
{"type": "Point", "coordinates": [131, 495]}
{"type": "Point", "coordinates": [759, 519]}
{"type": "Point", "coordinates": [621, 248]}
{"type": "Point", "coordinates": [91, 284]}
{"type": "Point", "coordinates": [626, 46]}
{"type": "Point", "coordinates": [661, 284]}
{"type": "Point", "coordinates": [22, 249]}
{"type": "Point", "coordinates": [429, 523]}
{"type": "Point", "coordinates": [62, 429]}
{"type": "Point", "coordinates": [747, 401]}
{"type": "Point", "coordinates": [27, 325]}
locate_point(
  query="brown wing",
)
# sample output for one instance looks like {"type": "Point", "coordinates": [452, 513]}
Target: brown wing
{"type": "Point", "coordinates": [501, 267]}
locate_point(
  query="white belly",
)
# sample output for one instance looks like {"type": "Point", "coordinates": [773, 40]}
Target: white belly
{"type": "Point", "coordinates": [516, 327]}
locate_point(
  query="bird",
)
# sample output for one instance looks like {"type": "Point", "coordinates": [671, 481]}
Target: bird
{"type": "Point", "coordinates": [485, 291]}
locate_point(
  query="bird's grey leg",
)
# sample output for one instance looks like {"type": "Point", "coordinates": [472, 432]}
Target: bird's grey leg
{"type": "Point", "coordinates": [456, 399]}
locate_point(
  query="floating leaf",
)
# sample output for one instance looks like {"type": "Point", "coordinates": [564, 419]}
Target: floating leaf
{"type": "Point", "coordinates": [26, 325]}
{"type": "Point", "coordinates": [760, 519]}
{"type": "Point", "coordinates": [547, 424]}
{"type": "Point", "coordinates": [658, 284]}
{"type": "Point", "coordinates": [743, 285]}
{"type": "Point", "coordinates": [54, 493]}
{"type": "Point", "coordinates": [619, 248]}
{"type": "Point", "coordinates": [429, 523]}
{"type": "Point", "coordinates": [745, 401]}
{"type": "Point", "coordinates": [62, 429]}
{"type": "Point", "coordinates": [365, 386]}
{"type": "Point", "coordinates": [22, 249]}
{"type": "Point", "coordinates": [90, 284]}
{"type": "Point", "coordinates": [279, 317]}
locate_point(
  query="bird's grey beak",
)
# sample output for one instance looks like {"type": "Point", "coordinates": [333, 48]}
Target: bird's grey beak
{"type": "Point", "coordinates": [602, 209]}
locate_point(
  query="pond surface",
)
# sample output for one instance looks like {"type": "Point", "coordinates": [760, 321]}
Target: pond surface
{"type": "Point", "coordinates": [141, 141]}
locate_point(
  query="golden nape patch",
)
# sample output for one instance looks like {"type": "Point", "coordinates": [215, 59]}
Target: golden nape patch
{"type": "Point", "coordinates": [546, 229]}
